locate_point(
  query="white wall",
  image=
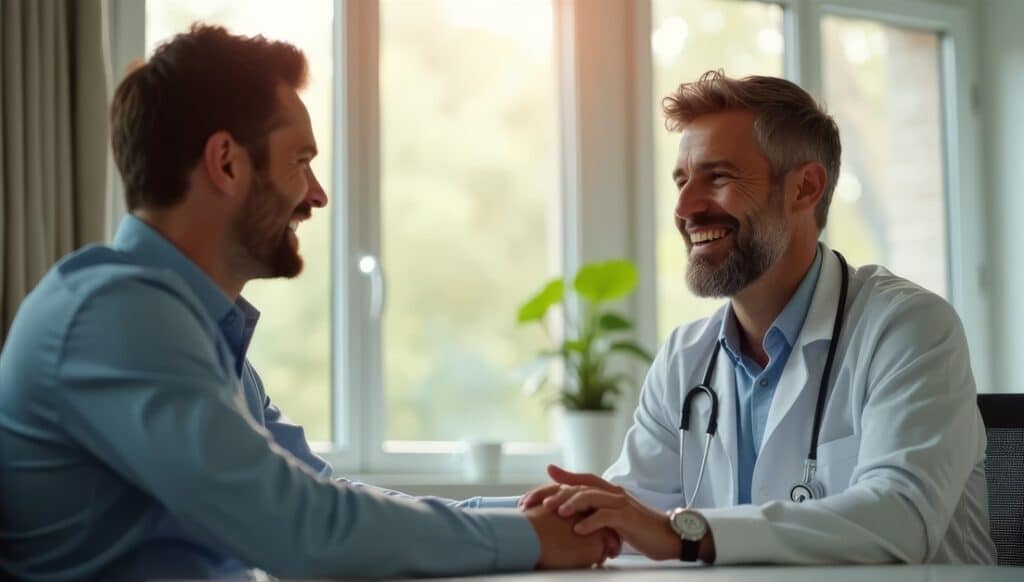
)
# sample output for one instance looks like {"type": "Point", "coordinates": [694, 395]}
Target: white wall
{"type": "Point", "coordinates": [1002, 99]}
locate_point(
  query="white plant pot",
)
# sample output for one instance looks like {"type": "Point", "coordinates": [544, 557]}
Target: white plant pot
{"type": "Point", "coordinates": [588, 440]}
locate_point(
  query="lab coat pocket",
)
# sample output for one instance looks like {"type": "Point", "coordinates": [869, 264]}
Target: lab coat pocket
{"type": "Point", "coordinates": [836, 461]}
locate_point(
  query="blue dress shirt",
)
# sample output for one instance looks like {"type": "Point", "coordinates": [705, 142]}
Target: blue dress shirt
{"type": "Point", "coordinates": [137, 442]}
{"type": "Point", "coordinates": [755, 386]}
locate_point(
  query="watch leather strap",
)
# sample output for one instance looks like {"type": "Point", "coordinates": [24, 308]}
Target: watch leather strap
{"type": "Point", "coordinates": [690, 551]}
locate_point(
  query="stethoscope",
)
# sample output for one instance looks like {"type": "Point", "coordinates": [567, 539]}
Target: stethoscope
{"type": "Point", "coordinates": [808, 487]}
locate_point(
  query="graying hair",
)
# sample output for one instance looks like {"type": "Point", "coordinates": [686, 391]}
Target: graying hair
{"type": "Point", "coordinates": [790, 127]}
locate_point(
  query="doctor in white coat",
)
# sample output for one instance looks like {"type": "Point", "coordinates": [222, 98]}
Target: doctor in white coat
{"type": "Point", "coordinates": [900, 447]}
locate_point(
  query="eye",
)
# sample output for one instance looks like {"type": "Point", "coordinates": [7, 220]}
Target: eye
{"type": "Point", "coordinates": [680, 183]}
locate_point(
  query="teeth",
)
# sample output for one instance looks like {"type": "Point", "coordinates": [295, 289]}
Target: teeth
{"type": "Point", "coordinates": [708, 235]}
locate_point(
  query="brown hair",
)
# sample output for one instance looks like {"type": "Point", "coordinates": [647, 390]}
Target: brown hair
{"type": "Point", "coordinates": [790, 127]}
{"type": "Point", "coordinates": [200, 82]}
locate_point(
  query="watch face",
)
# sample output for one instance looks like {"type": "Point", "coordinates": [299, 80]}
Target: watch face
{"type": "Point", "coordinates": [690, 525]}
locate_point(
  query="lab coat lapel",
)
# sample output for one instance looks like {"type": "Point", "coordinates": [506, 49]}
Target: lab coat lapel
{"type": "Point", "coordinates": [722, 466]}
{"type": "Point", "coordinates": [817, 327]}
{"type": "Point", "coordinates": [718, 488]}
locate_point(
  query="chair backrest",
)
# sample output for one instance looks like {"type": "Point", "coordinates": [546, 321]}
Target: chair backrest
{"type": "Point", "coordinates": [1004, 469]}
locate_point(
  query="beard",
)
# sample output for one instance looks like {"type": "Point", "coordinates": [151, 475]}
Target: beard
{"type": "Point", "coordinates": [263, 233]}
{"type": "Point", "coordinates": [757, 247]}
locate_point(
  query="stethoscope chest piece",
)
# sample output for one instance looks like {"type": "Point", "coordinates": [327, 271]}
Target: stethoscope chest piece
{"type": "Point", "coordinates": [804, 491]}
{"type": "Point", "coordinates": [809, 487]}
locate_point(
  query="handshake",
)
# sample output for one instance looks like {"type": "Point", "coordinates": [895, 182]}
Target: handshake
{"type": "Point", "coordinates": [582, 520]}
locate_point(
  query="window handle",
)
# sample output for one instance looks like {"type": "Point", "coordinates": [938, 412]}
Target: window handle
{"type": "Point", "coordinates": [370, 267]}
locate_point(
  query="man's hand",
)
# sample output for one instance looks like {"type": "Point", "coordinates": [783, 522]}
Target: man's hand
{"type": "Point", "coordinates": [561, 547]}
{"type": "Point", "coordinates": [642, 527]}
{"type": "Point", "coordinates": [561, 478]}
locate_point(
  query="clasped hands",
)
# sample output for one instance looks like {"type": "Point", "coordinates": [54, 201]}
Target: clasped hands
{"type": "Point", "coordinates": [602, 516]}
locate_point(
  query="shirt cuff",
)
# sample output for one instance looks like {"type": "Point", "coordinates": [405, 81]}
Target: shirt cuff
{"type": "Point", "coordinates": [517, 548]}
{"type": "Point", "coordinates": [496, 502]}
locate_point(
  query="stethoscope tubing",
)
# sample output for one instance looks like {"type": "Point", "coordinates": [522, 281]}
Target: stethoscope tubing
{"type": "Point", "coordinates": [810, 464]}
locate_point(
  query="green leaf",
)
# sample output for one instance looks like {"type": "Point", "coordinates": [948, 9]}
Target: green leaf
{"type": "Point", "coordinates": [632, 348]}
{"type": "Point", "coordinates": [571, 401]}
{"type": "Point", "coordinates": [578, 346]}
{"type": "Point", "coordinates": [613, 322]}
{"type": "Point", "coordinates": [535, 308]}
{"type": "Point", "coordinates": [584, 401]}
{"type": "Point", "coordinates": [608, 281]}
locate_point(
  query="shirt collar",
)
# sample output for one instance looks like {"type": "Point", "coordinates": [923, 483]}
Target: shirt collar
{"type": "Point", "coordinates": [787, 325]}
{"type": "Point", "coordinates": [791, 320]}
{"type": "Point", "coordinates": [251, 318]}
{"type": "Point", "coordinates": [141, 241]}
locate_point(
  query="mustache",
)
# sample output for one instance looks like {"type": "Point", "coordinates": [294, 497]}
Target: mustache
{"type": "Point", "coordinates": [706, 219]}
{"type": "Point", "coordinates": [303, 211]}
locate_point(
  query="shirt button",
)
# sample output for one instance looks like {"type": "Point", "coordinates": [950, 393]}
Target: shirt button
{"type": "Point", "coordinates": [763, 382]}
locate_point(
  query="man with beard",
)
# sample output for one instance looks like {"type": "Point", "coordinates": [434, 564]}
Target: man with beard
{"type": "Point", "coordinates": [136, 441]}
{"type": "Point", "coordinates": [847, 424]}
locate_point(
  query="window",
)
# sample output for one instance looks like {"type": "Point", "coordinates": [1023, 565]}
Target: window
{"type": "Point", "coordinates": [882, 84]}
{"type": "Point", "coordinates": [469, 203]}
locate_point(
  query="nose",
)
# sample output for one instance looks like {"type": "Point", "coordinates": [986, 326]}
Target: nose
{"type": "Point", "coordinates": [316, 196]}
{"type": "Point", "coordinates": [692, 200]}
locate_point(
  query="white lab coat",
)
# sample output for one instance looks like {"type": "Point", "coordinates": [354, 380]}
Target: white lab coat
{"type": "Point", "coordinates": [901, 449]}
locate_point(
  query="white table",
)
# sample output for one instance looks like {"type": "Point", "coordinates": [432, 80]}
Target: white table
{"type": "Point", "coordinates": [637, 568]}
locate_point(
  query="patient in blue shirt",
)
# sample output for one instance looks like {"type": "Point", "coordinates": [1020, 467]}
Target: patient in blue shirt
{"type": "Point", "coordinates": [136, 441]}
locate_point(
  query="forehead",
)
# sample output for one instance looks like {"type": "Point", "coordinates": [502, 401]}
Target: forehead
{"type": "Point", "coordinates": [293, 126]}
{"type": "Point", "coordinates": [726, 135]}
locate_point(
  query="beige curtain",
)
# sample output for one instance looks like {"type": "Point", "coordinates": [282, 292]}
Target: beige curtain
{"type": "Point", "coordinates": [53, 138]}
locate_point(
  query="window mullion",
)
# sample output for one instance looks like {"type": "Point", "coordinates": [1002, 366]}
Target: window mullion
{"type": "Point", "coordinates": [803, 60]}
{"type": "Point", "coordinates": [357, 334]}
{"type": "Point", "coordinates": [127, 39]}
{"type": "Point", "coordinates": [598, 132]}
{"type": "Point", "coordinates": [965, 213]}
{"type": "Point", "coordinates": [645, 176]}
{"type": "Point", "coordinates": [802, 33]}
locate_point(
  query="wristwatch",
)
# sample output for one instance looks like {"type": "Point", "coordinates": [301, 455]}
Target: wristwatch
{"type": "Point", "coordinates": [691, 527]}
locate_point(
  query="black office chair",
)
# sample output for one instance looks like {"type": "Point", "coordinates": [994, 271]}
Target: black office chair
{"type": "Point", "coordinates": [1004, 467]}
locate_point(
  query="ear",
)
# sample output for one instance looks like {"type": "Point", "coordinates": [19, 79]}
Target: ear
{"type": "Point", "coordinates": [226, 163]}
{"type": "Point", "coordinates": [811, 179]}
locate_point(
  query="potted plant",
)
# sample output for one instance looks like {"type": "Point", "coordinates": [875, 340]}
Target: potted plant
{"type": "Point", "coordinates": [579, 365]}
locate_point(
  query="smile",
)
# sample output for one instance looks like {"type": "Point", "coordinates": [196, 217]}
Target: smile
{"type": "Point", "coordinates": [708, 236]}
